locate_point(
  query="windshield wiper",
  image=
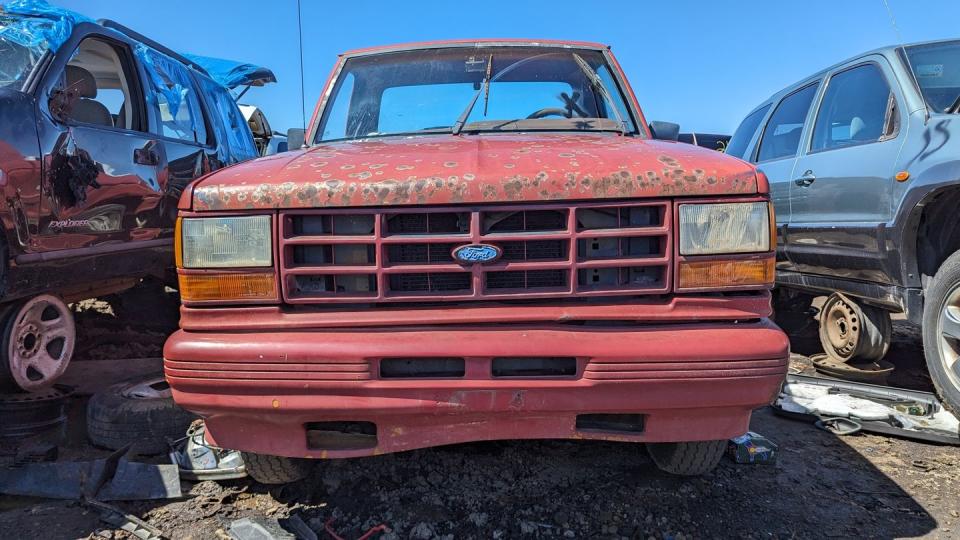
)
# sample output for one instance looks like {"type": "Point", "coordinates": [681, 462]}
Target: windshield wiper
{"type": "Point", "coordinates": [952, 109]}
{"type": "Point", "coordinates": [598, 85]}
{"type": "Point", "coordinates": [485, 88]}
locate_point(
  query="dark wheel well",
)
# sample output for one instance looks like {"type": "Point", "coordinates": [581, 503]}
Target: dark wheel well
{"type": "Point", "coordinates": [4, 266]}
{"type": "Point", "coordinates": [938, 234]}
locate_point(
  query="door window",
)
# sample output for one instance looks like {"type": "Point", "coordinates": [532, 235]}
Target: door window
{"type": "Point", "coordinates": [742, 136]}
{"type": "Point", "coordinates": [228, 123]}
{"type": "Point", "coordinates": [855, 109]}
{"type": "Point", "coordinates": [781, 136]}
{"type": "Point", "coordinates": [95, 88]}
{"type": "Point", "coordinates": [173, 97]}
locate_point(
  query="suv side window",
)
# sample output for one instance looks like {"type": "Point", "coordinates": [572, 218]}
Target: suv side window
{"type": "Point", "coordinates": [781, 136]}
{"type": "Point", "coordinates": [173, 97]}
{"type": "Point", "coordinates": [856, 109]}
{"type": "Point", "coordinates": [737, 146]}
{"type": "Point", "coordinates": [96, 87]}
{"type": "Point", "coordinates": [231, 129]}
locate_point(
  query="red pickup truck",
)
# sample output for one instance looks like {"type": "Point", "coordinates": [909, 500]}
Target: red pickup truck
{"type": "Point", "coordinates": [482, 240]}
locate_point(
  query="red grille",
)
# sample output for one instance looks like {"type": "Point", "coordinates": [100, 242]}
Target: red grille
{"type": "Point", "coordinates": [548, 251]}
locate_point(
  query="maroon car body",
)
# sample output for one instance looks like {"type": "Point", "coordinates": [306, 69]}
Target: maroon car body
{"type": "Point", "coordinates": [407, 348]}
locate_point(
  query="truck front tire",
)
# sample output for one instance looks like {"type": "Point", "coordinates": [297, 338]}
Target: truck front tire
{"type": "Point", "coordinates": [941, 331]}
{"type": "Point", "coordinates": [274, 470]}
{"type": "Point", "coordinates": [687, 458]}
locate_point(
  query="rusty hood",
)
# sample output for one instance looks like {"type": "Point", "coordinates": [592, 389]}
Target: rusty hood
{"type": "Point", "coordinates": [445, 169]}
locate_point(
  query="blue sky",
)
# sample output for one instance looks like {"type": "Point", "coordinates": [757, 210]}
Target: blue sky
{"type": "Point", "coordinates": [702, 64]}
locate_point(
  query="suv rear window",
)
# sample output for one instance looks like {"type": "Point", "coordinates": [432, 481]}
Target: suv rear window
{"type": "Point", "coordinates": [742, 136]}
{"type": "Point", "coordinates": [781, 137]}
{"type": "Point", "coordinates": [173, 97]}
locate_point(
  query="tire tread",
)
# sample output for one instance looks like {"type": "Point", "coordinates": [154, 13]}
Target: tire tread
{"type": "Point", "coordinates": [273, 470]}
{"type": "Point", "coordinates": [687, 458]}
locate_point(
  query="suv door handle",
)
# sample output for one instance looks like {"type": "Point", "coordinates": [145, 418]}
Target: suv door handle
{"type": "Point", "coordinates": [147, 155]}
{"type": "Point", "coordinates": [805, 180]}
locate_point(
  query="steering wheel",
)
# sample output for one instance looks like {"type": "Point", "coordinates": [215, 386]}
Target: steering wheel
{"type": "Point", "coordinates": [571, 107]}
{"type": "Point", "coordinates": [549, 111]}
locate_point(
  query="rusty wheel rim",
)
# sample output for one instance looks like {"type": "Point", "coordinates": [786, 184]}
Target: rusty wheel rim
{"type": "Point", "coordinates": [843, 328]}
{"type": "Point", "coordinates": [948, 332]}
{"type": "Point", "coordinates": [40, 343]}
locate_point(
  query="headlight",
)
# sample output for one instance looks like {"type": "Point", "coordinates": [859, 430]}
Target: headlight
{"type": "Point", "coordinates": [709, 229]}
{"type": "Point", "coordinates": [226, 242]}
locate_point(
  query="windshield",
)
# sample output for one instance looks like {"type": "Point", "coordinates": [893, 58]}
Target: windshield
{"type": "Point", "coordinates": [19, 51]}
{"type": "Point", "coordinates": [937, 69]}
{"type": "Point", "coordinates": [427, 91]}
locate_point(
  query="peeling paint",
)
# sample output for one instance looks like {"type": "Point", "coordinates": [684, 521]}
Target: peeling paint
{"type": "Point", "coordinates": [442, 169]}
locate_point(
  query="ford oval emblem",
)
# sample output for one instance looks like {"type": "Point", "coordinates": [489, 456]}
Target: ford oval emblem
{"type": "Point", "coordinates": [476, 253]}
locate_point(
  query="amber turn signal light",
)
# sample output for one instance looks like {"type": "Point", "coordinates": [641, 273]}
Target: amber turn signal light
{"type": "Point", "coordinates": [228, 286]}
{"type": "Point", "coordinates": [178, 243]}
{"type": "Point", "coordinates": [726, 273]}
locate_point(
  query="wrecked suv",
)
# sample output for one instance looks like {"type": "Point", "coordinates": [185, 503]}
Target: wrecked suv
{"type": "Point", "coordinates": [863, 164]}
{"type": "Point", "coordinates": [100, 131]}
{"type": "Point", "coordinates": [482, 241]}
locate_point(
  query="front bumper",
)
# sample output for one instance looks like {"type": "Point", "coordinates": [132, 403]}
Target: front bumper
{"type": "Point", "coordinates": [259, 390]}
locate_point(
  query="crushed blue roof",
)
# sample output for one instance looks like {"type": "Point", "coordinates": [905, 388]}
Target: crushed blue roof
{"type": "Point", "coordinates": [232, 74]}
{"type": "Point", "coordinates": [41, 25]}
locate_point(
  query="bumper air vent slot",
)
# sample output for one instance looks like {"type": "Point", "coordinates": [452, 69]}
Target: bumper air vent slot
{"type": "Point", "coordinates": [534, 367]}
{"type": "Point", "coordinates": [341, 435]}
{"type": "Point", "coordinates": [422, 368]}
{"type": "Point", "coordinates": [617, 423]}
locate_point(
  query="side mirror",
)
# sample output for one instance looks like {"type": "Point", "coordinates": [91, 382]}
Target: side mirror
{"type": "Point", "coordinates": [296, 137]}
{"type": "Point", "coordinates": [665, 131]}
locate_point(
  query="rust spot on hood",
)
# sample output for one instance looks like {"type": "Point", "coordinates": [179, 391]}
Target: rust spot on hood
{"type": "Point", "coordinates": [443, 169]}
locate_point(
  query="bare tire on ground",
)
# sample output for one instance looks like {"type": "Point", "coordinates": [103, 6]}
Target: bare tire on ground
{"type": "Point", "coordinates": [851, 332]}
{"type": "Point", "coordinates": [138, 411]}
{"type": "Point", "coordinates": [36, 345]}
{"type": "Point", "coordinates": [687, 458]}
{"type": "Point", "coordinates": [273, 470]}
{"type": "Point", "coordinates": [941, 331]}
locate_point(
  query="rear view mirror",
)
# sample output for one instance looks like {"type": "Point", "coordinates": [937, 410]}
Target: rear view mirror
{"type": "Point", "coordinates": [296, 137]}
{"type": "Point", "coordinates": [665, 131]}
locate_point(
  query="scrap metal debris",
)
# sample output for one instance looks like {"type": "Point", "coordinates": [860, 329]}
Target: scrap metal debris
{"type": "Point", "coordinates": [200, 461]}
{"type": "Point", "coordinates": [110, 479]}
{"type": "Point", "coordinates": [847, 407]}
{"type": "Point", "coordinates": [115, 517]}
{"type": "Point", "coordinates": [258, 529]}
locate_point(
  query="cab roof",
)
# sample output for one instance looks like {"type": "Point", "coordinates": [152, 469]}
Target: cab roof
{"type": "Point", "coordinates": [510, 42]}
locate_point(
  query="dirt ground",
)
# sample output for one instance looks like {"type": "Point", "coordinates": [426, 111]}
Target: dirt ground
{"type": "Point", "coordinates": [822, 486]}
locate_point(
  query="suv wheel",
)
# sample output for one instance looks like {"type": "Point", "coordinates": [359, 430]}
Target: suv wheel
{"type": "Point", "coordinates": [37, 344]}
{"type": "Point", "coordinates": [941, 331]}
{"type": "Point", "coordinates": [272, 470]}
{"type": "Point", "coordinates": [687, 458]}
{"type": "Point", "coordinates": [850, 332]}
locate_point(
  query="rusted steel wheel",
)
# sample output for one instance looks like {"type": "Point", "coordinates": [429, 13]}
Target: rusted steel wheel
{"type": "Point", "coordinates": [850, 332]}
{"type": "Point", "coordinates": [37, 344]}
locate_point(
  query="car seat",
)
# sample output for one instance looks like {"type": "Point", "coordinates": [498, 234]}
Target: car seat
{"type": "Point", "coordinates": [86, 108]}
